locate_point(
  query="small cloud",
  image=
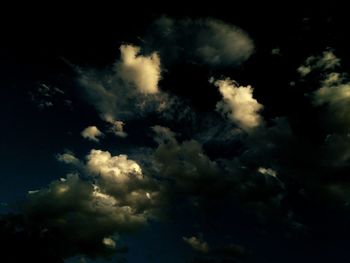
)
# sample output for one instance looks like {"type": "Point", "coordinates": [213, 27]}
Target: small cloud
{"type": "Point", "coordinates": [197, 244]}
{"type": "Point", "coordinates": [138, 70]}
{"type": "Point", "coordinates": [207, 41]}
{"type": "Point", "coordinates": [92, 133]}
{"type": "Point", "coordinates": [276, 52]}
{"type": "Point", "coordinates": [109, 242]}
{"type": "Point", "coordinates": [327, 61]}
{"type": "Point", "coordinates": [238, 104]}
{"type": "Point", "coordinates": [267, 171]}
{"type": "Point", "coordinates": [68, 158]}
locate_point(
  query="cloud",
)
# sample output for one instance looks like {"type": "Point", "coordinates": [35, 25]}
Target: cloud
{"type": "Point", "coordinates": [68, 158]}
{"type": "Point", "coordinates": [46, 96]}
{"type": "Point", "coordinates": [267, 171]}
{"type": "Point", "coordinates": [128, 90]}
{"type": "Point", "coordinates": [326, 61]}
{"type": "Point", "coordinates": [332, 95]}
{"type": "Point", "coordinates": [197, 244]}
{"type": "Point", "coordinates": [141, 71]}
{"type": "Point", "coordinates": [238, 104]}
{"type": "Point", "coordinates": [114, 197]}
{"type": "Point", "coordinates": [92, 133]}
{"type": "Point", "coordinates": [184, 163]}
{"type": "Point", "coordinates": [109, 242]}
{"type": "Point", "coordinates": [117, 127]}
{"type": "Point", "coordinates": [207, 41]}
{"type": "Point", "coordinates": [124, 179]}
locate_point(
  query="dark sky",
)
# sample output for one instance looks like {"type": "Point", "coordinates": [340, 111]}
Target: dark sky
{"type": "Point", "coordinates": [177, 133]}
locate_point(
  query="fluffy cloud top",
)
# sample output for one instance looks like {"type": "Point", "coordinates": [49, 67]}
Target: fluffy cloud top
{"type": "Point", "coordinates": [208, 41]}
{"type": "Point", "coordinates": [238, 104]}
{"type": "Point", "coordinates": [92, 133]}
{"type": "Point", "coordinates": [129, 89]}
{"type": "Point", "coordinates": [138, 70]}
{"type": "Point", "coordinates": [120, 168]}
{"type": "Point", "coordinates": [114, 197]}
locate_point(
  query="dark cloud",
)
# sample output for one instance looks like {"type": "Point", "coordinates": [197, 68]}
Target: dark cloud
{"type": "Point", "coordinates": [87, 215]}
{"type": "Point", "coordinates": [46, 96]}
{"type": "Point", "coordinates": [208, 41]}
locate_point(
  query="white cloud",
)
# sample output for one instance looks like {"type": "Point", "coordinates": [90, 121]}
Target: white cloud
{"type": "Point", "coordinates": [83, 212]}
{"type": "Point", "coordinates": [109, 242]}
{"type": "Point", "coordinates": [92, 133]}
{"type": "Point", "coordinates": [238, 104]}
{"type": "Point", "coordinates": [267, 171]}
{"type": "Point", "coordinates": [119, 167]}
{"type": "Point", "coordinates": [141, 71]}
{"type": "Point", "coordinates": [276, 51]}
{"type": "Point", "coordinates": [197, 244]}
{"type": "Point", "coordinates": [129, 89]}
{"type": "Point", "coordinates": [124, 179]}
{"type": "Point", "coordinates": [333, 94]}
{"type": "Point", "coordinates": [113, 196]}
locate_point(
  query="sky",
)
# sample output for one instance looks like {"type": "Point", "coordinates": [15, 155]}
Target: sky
{"type": "Point", "coordinates": [175, 134]}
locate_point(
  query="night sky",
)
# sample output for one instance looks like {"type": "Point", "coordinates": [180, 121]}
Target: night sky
{"type": "Point", "coordinates": [176, 133]}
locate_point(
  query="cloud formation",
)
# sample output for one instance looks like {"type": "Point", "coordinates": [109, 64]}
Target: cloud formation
{"type": "Point", "coordinates": [116, 127]}
{"type": "Point", "coordinates": [238, 104]}
{"type": "Point", "coordinates": [185, 164]}
{"type": "Point", "coordinates": [141, 71]}
{"type": "Point", "coordinates": [114, 197]}
{"type": "Point", "coordinates": [92, 133]}
{"type": "Point", "coordinates": [129, 89]}
{"type": "Point", "coordinates": [326, 61]}
{"type": "Point", "coordinates": [208, 41]}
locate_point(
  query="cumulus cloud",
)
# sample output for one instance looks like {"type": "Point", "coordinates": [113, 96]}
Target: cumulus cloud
{"type": "Point", "coordinates": [128, 90]}
{"type": "Point", "coordinates": [141, 71]}
{"type": "Point", "coordinates": [65, 204]}
{"type": "Point", "coordinates": [197, 244]}
{"type": "Point", "coordinates": [109, 242]}
{"type": "Point", "coordinates": [238, 104]}
{"type": "Point", "coordinates": [114, 197]}
{"type": "Point", "coordinates": [207, 41]}
{"type": "Point", "coordinates": [92, 133]}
